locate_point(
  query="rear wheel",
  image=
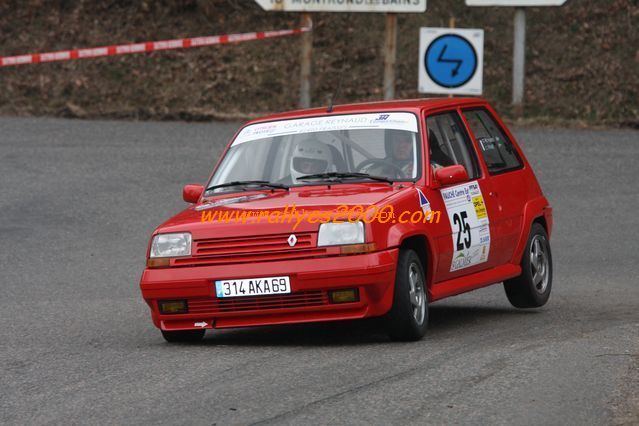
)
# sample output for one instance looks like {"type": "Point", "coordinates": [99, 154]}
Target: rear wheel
{"type": "Point", "coordinates": [408, 318]}
{"type": "Point", "coordinates": [532, 288]}
{"type": "Point", "coordinates": [183, 336]}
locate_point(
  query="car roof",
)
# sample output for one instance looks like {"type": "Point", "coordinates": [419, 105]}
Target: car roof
{"type": "Point", "coordinates": [399, 105]}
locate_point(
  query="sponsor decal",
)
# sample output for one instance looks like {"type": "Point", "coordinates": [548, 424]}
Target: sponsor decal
{"type": "Point", "coordinates": [423, 201]}
{"type": "Point", "coordinates": [480, 207]}
{"type": "Point", "coordinates": [393, 121]}
{"type": "Point", "coordinates": [470, 225]}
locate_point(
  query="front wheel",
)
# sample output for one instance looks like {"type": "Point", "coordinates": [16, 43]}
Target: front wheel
{"type": "Point", "coordinates": [408, 317]}
{"type": "Point", "coordinates": [532, 288]}
{"type": "Point", "coordinates": [183, 336]}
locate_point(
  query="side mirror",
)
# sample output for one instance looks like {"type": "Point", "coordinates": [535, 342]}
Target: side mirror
{"type": "Point", "coordinates": [191, 193]}
{"type": "Point", "coordinates": [451, 175]}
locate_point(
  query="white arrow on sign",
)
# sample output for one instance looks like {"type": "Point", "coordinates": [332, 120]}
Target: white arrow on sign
{"type": "Point", "coordinates": [410, 6]}
{"type": "Point", "coordinates": [515, 3]}
{"type": "Point", "coordinates": [201, 324]}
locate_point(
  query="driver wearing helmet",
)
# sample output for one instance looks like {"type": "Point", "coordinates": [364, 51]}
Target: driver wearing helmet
{"type": "Point", "coordinates": [399, 150]}
{"type": "Point", "coordinates": [310, 156]}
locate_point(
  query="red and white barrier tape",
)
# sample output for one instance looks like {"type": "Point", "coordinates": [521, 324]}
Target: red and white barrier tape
{"type": "Point", "coordinates": [149, 46]}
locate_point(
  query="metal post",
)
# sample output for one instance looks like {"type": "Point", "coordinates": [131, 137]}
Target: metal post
{"type": "Point", "coordinates": [305, 62]}
{"type": "Point", "coordinates": [519, 59]}
{"type": "Point", "coordinates": [390, 56]}
{"type": "Point", "coordinates": [451, 24]}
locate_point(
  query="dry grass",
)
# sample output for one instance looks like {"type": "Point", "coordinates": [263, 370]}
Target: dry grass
{"type": "Point", "coordinates": [582, 59]}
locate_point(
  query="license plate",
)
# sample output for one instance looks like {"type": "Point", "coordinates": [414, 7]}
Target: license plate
{"type": "Point", "coordinates": [252, 287]}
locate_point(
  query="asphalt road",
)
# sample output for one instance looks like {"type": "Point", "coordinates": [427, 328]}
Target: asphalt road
{"type": "Point", "coordinates": [79, 199]}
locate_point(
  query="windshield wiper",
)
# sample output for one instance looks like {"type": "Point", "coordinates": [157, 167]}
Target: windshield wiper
{"type": "Point", "coordinates": [245, 183]}
{"type": "Point", "coordinates": [337, 176]}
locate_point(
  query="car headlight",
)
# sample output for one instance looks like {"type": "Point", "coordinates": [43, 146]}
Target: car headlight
{"type": "Point", "coordinates": [340, 233]}
{"type": "Point", "coordinates": [171, 245]}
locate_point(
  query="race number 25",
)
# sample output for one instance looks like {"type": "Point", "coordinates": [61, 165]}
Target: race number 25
{"type": "Point", "coordinates": [459, 219]}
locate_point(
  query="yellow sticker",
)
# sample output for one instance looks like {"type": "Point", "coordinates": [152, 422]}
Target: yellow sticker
{"type": "Point", "coordinates": [480, 207]}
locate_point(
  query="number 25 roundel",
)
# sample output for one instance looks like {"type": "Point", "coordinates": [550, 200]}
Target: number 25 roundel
{"type": "Point", "coordinates": [469, 224]}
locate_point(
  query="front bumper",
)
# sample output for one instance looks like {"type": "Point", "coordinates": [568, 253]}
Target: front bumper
{"type": "Point", "coordinates": [372, 274]}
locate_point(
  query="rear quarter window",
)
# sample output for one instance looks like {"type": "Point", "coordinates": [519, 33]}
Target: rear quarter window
{"type": "Point", "coordinates": [497, 150]}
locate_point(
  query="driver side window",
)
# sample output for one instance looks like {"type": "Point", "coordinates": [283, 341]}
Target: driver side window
{"type": "Point", "coordinates": [449, 144]}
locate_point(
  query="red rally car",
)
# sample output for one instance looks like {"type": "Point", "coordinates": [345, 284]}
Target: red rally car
{"type": "Point", "coordinates": [368, 210]}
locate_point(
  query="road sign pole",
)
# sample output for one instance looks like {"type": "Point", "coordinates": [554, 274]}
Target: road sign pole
{"type": "Point", "coordinates": [390, 56]}
{"type": "Point", "coordinates": [306, 57]}
{"type": "Point", "coordinates": [451, 24]}
{"type": "Point", "coordinates": [519, 59]}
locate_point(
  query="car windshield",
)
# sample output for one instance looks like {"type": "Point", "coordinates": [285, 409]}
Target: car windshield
{"type": "Point", "coordinates": [334, 148]}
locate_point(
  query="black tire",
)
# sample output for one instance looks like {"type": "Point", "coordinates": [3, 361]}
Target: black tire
{"type": "Point", "coordinates": [403, 319]}
{"type": "Point", "coordinates": [527, 290]}
{"type": "Point", "coordinates": [183, 336]}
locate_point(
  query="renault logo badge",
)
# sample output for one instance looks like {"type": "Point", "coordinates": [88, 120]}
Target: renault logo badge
{"type": "Point", "coordinates": [292, 240]}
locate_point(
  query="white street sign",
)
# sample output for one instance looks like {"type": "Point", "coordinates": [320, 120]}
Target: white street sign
{"type": "Point", "coordinates": [515, 3]}
{"type": "Point", "coordinates": [386, 6]}
{"type": "Point", "coordinates": [451, 61]}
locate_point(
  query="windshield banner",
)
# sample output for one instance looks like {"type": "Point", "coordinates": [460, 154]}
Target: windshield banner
{"type": "Point", "coordinates": [388, 120]}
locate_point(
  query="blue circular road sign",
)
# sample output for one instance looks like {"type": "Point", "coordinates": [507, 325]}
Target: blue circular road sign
{"type": "Point", "coordinates": [450, 61]}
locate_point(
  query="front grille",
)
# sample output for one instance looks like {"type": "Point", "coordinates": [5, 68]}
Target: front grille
{"type": "Point", "coordinates": [258, 303]}
{"type": "Point", "coordinates": [247, 245]}
{"type": "Point", "coordinates": [261, 248]}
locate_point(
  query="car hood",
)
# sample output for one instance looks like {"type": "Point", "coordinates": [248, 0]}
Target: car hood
{"type": "Point", "coordinates": [203, 220]}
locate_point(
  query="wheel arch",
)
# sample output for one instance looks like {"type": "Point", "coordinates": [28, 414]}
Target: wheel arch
{"type": "Point", "coordinates": [536, 211]}
{"type": "Point", "coordinates": [542, 221]}
{"type": "Point", "coordinates": [421, 245]}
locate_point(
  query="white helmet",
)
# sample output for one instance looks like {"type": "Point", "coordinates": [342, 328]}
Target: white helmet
{"type": "Point", "coordinates": [310, 156]}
